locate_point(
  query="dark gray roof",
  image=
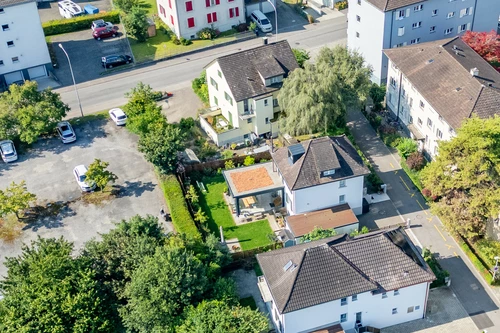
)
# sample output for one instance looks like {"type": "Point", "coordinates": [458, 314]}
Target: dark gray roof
{"type": "Point", "coordinates": [243, 70]}
{"type": "Point", "coordinates": [387, 5]}
{"type": "Point", "coordinates": [453, 92]}
{"type": "Point", "coordinates": [7, 3]}
{"type": "Point", "coordinates": [338, 267]}
{"type": "Point", "coordinates": [321, 154]}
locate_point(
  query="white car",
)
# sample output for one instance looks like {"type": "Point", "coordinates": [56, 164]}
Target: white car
{"type": "Point", "coordinates": [8, 151]}
{"type": "Point", "coordinates": [66, 132]}
{"type": "Point", "coordinates": [80, 175]}
{"type": "Point", "coordinates": [118, 116]}
{"type": "Point", "coordinates": [101, 24]}
{"type": "Point", "coordinates": [261, 20]}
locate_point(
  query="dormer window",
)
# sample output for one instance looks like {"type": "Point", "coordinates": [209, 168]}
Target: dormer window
{"type": "Point", "coordinates": [275, 79]}
{"type": "Point", "coordinates": [328, 173]}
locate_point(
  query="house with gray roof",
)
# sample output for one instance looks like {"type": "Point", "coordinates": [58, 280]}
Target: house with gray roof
{"type": "Point", "coordinates": [321, 173]}
{"type": "Point", "coordinates": [243, 89]}
{"type": "Point", "coordinates": [378, 279]}
{"type": "Point", "coordinates": [433, 87]}
{"type": "Point", "coordinates": [375, 25]}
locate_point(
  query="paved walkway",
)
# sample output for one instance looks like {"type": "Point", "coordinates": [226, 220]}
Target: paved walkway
{"type": "Point", "coordinates": [479, 299]}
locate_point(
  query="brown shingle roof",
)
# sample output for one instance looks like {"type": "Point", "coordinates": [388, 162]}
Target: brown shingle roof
{"type": "Point", "coordinates": [321, 154]}
{"type": "Point", "coordinates": [330, 218]}
{"type": "Point", "coordinates": [387, 5]}
{"type": "Point", "coordinates": [440, 71]}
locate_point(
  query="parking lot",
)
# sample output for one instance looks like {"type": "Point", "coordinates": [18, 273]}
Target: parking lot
{"type": "Point", "coordinates": [47, 169]}
{"type": "Point", "coordinates": [49, 11]}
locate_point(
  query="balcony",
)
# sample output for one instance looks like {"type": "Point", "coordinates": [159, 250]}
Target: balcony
{"type": "Point", "coordinates": [247, 114]}
{"type": "Point", "coordinates": [264, 289]}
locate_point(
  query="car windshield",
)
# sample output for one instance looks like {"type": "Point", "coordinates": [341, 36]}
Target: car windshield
{"type": "Point", "coordinates": [7, 149]}
{"type": "Point", "coordinates": [68, 134]}
{"type": "Point", "coordinates": [64, 128]}
{"type": "Point", "coordinates": [265, 22]}
{"type": "Point", "coordinates": [122, 117]}
{"type": "Point", "coordinates": [82, 178]}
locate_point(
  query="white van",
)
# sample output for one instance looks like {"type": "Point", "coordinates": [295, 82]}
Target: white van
{"type": "Point", "coordinates": [69, 9]}
{"type": "Point", "coordinates": [262, 21]}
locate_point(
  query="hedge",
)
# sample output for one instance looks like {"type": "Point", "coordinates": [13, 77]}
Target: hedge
{"type": "Point", "coordinates": [413, 175]}
{"type": "Point", "coordinates": [476, 261]}
{"type": "Point", "coordinates": [78, 23]}
{"type": "Point", "coordinates": [181, 218]}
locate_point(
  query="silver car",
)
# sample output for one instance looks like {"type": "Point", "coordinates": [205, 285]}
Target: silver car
{"type": "Point", "coordinates": [80, 175]}
{"type": "Point", "coordinates": [66, 132]}
{"type": "Point", "coordinates": [8, 151]}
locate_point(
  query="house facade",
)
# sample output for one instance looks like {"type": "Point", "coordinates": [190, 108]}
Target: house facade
{"type": "Point", "coordinates": [432, 110]}
{"type": "Point", "coordinates": [321, 173]}
{"type": "Point", "coordinates": [375, 25]}
{"type": "Point", "coordinates": [23, 51]}
{"type": "Point", "coordinates": [186, 17]}
{"type": "Point", "coordinates": [243, 89]}
{"type": "Point", "coordinates": [319, 284]}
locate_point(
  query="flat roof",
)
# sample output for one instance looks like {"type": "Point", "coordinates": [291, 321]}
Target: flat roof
{"type": "Point", "coordinates": [257, 178]}
{"type": "Point", "coordinates": [334, 217]}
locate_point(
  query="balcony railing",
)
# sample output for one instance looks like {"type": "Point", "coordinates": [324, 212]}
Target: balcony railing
{"type": "Point", "coordinates": [247, 114]}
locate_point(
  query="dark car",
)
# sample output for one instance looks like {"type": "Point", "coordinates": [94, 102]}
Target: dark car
{"type": "Point", "coordinates": [106, 32]}
{"type": "Point", "coordinates": [115, 60]}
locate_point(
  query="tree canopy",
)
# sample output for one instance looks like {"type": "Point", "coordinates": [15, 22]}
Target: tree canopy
{"type": "Point", "coordinates": [465, 177]}
{"type": "Point", "coordinates": [486, 44]}
{"type": "Point", "coordinates": [99, 174]}
{"type": "Point", "coordinates": [301, 56]}
{"type": "Point", "coordinates": [135, 21]}
{"type": "Point", "coordinates": [15, 198]}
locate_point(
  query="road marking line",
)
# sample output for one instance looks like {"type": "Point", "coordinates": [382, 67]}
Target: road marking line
{"type": "Point", "coordinates": [396, 172]}
{"type": "Point", "coordinates": [391, 165]}
{"type": "Point", "coordinates": [404, 183]}
{"type": "Point", "coordinates": [413, 194]}
{"type": "Point", "coordinates": [435, 226]}
{"type": "Point", "coordinates": [422, 207]}
{"type": "Point", "coordinates": [449, 246]}
{"type": "Point", "coordinates": [430, 219]}
{"type": "Point", "coordinates": [456, 255]}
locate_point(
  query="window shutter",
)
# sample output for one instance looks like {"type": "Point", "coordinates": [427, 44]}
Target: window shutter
{"type": "Point", "coordinates": [217, 2]}
{"type": "Point", "coordinates": [207, 3]}
{"type": "Point", "coordinates": [170, 4]}
{"type": "Point", "coordinates": [468, 26]}
{"type": "Point", "coordinates": [209, 18]}
{"type": "Point", "coordinates": [172, 19]}
{"type": "Point", "coordinates": [408, 12]}
{"type": "Point", "coordinates": [214, 17]}
{"type": "Point", "coordinates": [238, 11]}
{"type": "Point", "coordinates": [189, 6]}
{"type": "Point", "coordinates": [471, 10]}
{"type": "Point", "coordinates": [231, 12]}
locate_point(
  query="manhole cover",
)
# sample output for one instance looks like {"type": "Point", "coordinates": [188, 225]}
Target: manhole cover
{"type": "Point", "coordinates": [419, 217]}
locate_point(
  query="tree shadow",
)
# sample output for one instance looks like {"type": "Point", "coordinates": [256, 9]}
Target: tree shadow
{"type": "Point", "coordinates": [133, 189]}
{"type": "Point", "coordinates": [49, 216]}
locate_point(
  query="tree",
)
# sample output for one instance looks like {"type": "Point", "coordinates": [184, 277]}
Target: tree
{"type": "Point", "coordinates": [301, 56]}
{"type": "Point", "coordinates": [249, 160]}
{"type": "Point", "coordinates": [486, 44]}
{"type": "Point", "coordinates": [229, 164]}
{"type": "Point", "coordinates": [317, 233]}
{"type": "Point", "coordinates": [218, 317]}
{"type": "Point", "coordinates": [47, 290]}
{"type": "Point", "coordinates": [200, 87]}
{"type": "Point", "coordinates": [136, 23]}
{"type": "Point", "coordinates": [192, 194]}
{"type": "Point", "coordinates": [126, 5]}
{"type": "Point", "coordinates": [377, 94]}
{"type": "Point", "coordinates": [98, 173]}
{"type": "Point", "coordinates": [146, 118]}
{"type": "Point", "coordinates": [160, 147]}
{"type": "Point", "coordinates": [15, 199]}
{"type": "Point", "coordinates": [26, 113]}
{"type": "Point", "coordinates": [200, 216]}
{"type": "Point", "coordinates": [465, 177]}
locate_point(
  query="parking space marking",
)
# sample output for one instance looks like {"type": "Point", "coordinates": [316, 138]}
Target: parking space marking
{"type": "Point", "coordinates": [435, 226]}
{"type": "Point", "coordinates": [391, 165]}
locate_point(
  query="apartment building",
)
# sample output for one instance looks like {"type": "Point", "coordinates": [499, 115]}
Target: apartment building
{"type": "Point", "coordinates": [186, 18]}
{"type": "Point", "coordinates": [433, 87]}
{"type": "Point", "coordinates": [375, 25]}
{"type": "Point", "coordinates": [23, 51]}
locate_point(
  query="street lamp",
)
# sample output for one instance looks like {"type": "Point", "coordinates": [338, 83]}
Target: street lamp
{"type": "Point", "coordinates": [495, 269]}
{"type": "Point", "coordinates": [275, 16]}
{"type": "Point", "coordinates": [73, 77]}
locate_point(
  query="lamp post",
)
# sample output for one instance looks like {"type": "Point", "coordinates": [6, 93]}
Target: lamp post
{"type": "Point", "coordinates": [73, 77]}
{"type": "Point", "coordinates": [275, 16]}
{"type": "Point", "coordinates": [495, 269]}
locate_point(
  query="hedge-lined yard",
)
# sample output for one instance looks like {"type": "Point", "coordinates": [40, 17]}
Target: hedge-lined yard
{"type": "Point", "coordinates": [62, 26]}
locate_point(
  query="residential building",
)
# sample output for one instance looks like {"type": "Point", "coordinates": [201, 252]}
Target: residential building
{"type": "Point", "coordinates": [375, 25]}
{"type": "Point", "coordinates": [243, 89]}
{"type": "Point", "coordinates": [262, 5]}
{"type": "Point", "coordinates": [433, 87]}
{"type": "Point", "coordinates": [321, 173]}
{"type": "Point", "coordinates": [186, 17]}
{"type": "Point", "coordinates": [23, 51]}
{"type": "Point", "coordinates": [378, 279]}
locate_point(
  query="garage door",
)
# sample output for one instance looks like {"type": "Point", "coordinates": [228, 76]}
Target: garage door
{"type": "Point", "coordinates": [36, 72]}
{"type": "Point", "coordinates": [13, 77]}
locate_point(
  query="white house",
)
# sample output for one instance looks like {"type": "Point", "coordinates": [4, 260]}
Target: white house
{"type": "Point", "coordinates": [186, 17]}
{"type": "Point", "coordinates": [433, 87]}
{"type": "Point", "coordinates": [23, 51]}
{"type": "Point", "coordinates": [377, 279]}
{"type": "Point", "coordinates": [243, 89]}
{"type": "Point", "coordinates": [321, 173]}
{"type": "Point", "coordinates": [374, 25]}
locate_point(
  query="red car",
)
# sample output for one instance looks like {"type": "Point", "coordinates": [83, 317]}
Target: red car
{"type": "Point", "coordinates": [105, 32]}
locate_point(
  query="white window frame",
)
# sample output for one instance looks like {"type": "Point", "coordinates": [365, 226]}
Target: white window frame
{"type": "Point", "coordinates": [450, 15]}
{"type": "Point", "coordinates": [416, 25]}
{"type": "Point", "coordinates": [448, 31]}
{"type": "Point", "coordinates": [418, 8]}
{"type": "Point", "coordinates": [432, 29]}
{"type": "Point", "coordinates": [342, 199]}
{"type": "Point", "coordinates": [401, 31]}
{"type": "Point", "coordinates": [434, 12]}
{"type": "Point", "coordinates": [342, 183]}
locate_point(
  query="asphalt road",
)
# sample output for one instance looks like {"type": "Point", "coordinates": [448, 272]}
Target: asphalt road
{"type": "Point", "coordinates": [176, 74]}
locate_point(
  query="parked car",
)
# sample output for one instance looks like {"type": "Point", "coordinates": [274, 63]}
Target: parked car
{"type": "Point", "coordinates": [262, 21]}
{"type": "Point", "coordinates": [118, 116]}
{"type": "Point", "coordinates": [80, 172]}
{"type": "Point", "coordinates": [8, 151]}
{"type": "Point", "coordinates": [105, 32]}
{"type": "Point", "coordinates": [66, 132]}
{"type": "Point", "coordinates": [115, 60]}
{"type": "Point", "coordinates": [101, 24]}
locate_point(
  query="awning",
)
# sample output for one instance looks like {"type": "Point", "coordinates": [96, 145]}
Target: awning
{"type": "Point", "coordinates": [415, 132]}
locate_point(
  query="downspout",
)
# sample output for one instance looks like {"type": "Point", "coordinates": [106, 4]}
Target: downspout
{"type": "Point", "coordinates": [474, 17]}
{"type": "Point", "coordinates": [426, 298]}
{"type": "Point", "coordinates": [399, 92]}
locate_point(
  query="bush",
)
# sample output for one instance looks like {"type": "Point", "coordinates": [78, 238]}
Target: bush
{"type": "Point", "coordinates": [477, 262]}
{"type": "Point", "coordinates": [200, 88]}
{"type": "Point", "coordinates": [487, 250]}
{"type": "Point", "coordinates": [207, 33]}
{"type": "Point", "coordinates": [341, 5]}
{"type": "Point", "coordinates": [249, 160]}
{"type": "Point", "coordinates": [175, 40]}
{"type": "Point", "coordinates": [414, 175]}
{"type": "Point", "coordinates": [186, 124]}
{"type": "Point", "coordinates": [240, 27]}
{"type": "Point", "coordinates": [185, 41]}
{"type": "Point", "coordinates": [416, 161]}
{"type": "Point", "coordinates": [78, 23]}
{"type": "Point", "coordinates": [406, 147]}
{"type": "Point", "coordinates": [375, 120]}
{"type": "Point", "coordinates": [438, 271]}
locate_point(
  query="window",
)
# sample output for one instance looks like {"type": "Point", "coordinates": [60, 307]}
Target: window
{"type": "Point", "coordinates": [275, 103]}
{"type": "Point", "coordinates": [411, 102]}
{"type": "Point", "coordinates": [343, 317]}
{"type": "Point", "coordinates": [416, 25]}
{"type": "Point", "coordinates": [450, 15]}
{"type": "Point", "coordinates": [5, 27]}
{"type": "Point", "coordinates": [189, 6]}
{"type": "Point", "coordinates": [392, 81]}
{"type": "Point", "coordinates": [2, 11]}
{"type": "Point", "coordinates": [357, 34]}
{"type": "Point", "coordinates": [219, 73]}
{"type": "Point", "coordinates": [190, 22]}
{"type": "Point", "coordinates": [212, 17]}
{"type": "Point", "coordinates": [434, 12]}
{"type": "Point", "coordinates": [359, 2]}
{"type": "Point", "coordinates": [343, 301]}
{"type": "Point", "coordinates": [10, 43]}
{"type": "Point", "coordinates": [358, 18]}
{"type": "Point", "coordinates": [466, 11]}
{"type": "Point", "coordinates": [328, 172]}
{"type": "Point", "coordinates": [394, 311]}
{"type": "Point", "coordinates": [419, 122]}
{"type": "Point", "coordinates": [228, 98]}
{"type": "Point", "coordinates": [396, 292]}
{"type": "Point", "coordinates": [439, 134]}
{"type": "Point", "coordinates": [234, 12]}
{"type": "Point", "coordinates": [216, 101]}
{"type": "Point", "coordinates": [417, 307]}
{"type": "Point", "coordinates": [1, 62]}
{"type": "Point", "coordinates": [267, 120]}
{"type": "Point", "coordinates": [448, 31]}
{"type": "Point", "coordinates": [415, 41]}
{"type": "Point", "coordinates": [410, 309]}
{"type": "Point", "coordinates": [249, 120]}
{"type": "Point", "coordinates": [162, 10]}
{"type": "Point", "coordinates": [418, 8]}
{"type": "Point", "coordinates": [15, 59]}
{"type": "Point", "coordinates": [214, 84]}
{"type": "Point", "coordinates": [265, 102]}
{"type": "Point", "coordinates": [429, 122]}
{"type": "Point", "coordinates": [401, 15]}
{"type": "Point", "coordinates": [422, 104]}
{"type": "Point", "coordinates": [342, 198]}
{"type": "Point", "coordinates": [209, 3]}
{"type": "Point", "coordinates": [275, 79]}
{"type": "Point", "coordinates": [384, 295]}
{"type": "Point", "coordinates": [354, 298]}
{"type": "Point", "coordinates": [432, 29]}
{"type": "Point", "coordinates": [462, 27]}
{"type": "Point", "coordinates": [342, 183]}
{"type": "Point", "coordinates": [401, 31]}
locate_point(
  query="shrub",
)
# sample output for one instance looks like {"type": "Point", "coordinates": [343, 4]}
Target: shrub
{"type": "Point", "coordinates": [186, 124]}
{"type": "Point", "coordinates": [185, 41]}
{"type": "Point", "coordinates": [249, 160]}
{"type": "Point", "coordinates": [440, 273]}
{"type": "Point", "coordinates": [175, 40]}
{"type": "Point", "coordinates": [226, 154]}
{"type": "Point", "coordinates": [207, 33]}
{"type": "Point", "coordinates": [241, 27]}
{"type": "Point", "coordinates": [375, 120]}
{"type": "Point", "coordinates": [487, 250]}
{"type": "Point", "coordinates": [406, 147]}
{"type": "Point", "coordinates": [477, 262]}
{"type": "Point", "coordinates": [229, 164]}
{"type": "Point", "coordinates": [78, 23]}
{"type": "Point", "coordinates": [414, 175]}
{"type": "Point", "coordinates": [416, 161]}
{"type": "Point", "coordinates": [341, 5]}
{"type": "Point", "coordinates": [200, 88]}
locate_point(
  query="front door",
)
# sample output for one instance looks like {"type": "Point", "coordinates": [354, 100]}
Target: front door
{"type": "Point", "coordinates": [358, 317]}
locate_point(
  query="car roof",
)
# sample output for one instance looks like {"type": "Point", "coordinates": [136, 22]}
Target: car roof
{"type": "Point", "coordinates": [81, 169]}
{"type": "Point", "coordinates": [117, 111]}
{"type": "Point", "coordinates": [98, 21]}
{"type": "Point", "coordinates": [259, 14]}
{"type": "Point", "coordinates": [7, 146]}
{"type": "Point", "coordinates": [63, 123]}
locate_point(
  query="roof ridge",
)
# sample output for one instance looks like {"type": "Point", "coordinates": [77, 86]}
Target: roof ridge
{"type": "Point", "coordinates": [251, 50]}
{"type": "Point", "coordinates": [356, 268]}
{"type": "Point", "coordinates": [299, 268]}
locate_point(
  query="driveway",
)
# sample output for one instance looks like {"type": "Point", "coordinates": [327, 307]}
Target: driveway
{"type": "Point", "coordinates": [47, 170]}
{"type": "Point", "coordinates": [49, 11]}
{"type": "Point", "coordinates": [85, 54]}
{"type": "Point", "coordinates": [288, 18]}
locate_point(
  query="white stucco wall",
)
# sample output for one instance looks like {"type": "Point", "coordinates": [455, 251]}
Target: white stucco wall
{"type": "Point", "coordinates": [263, 6]}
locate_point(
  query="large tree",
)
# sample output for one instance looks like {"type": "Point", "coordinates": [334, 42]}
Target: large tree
{"type": "Point", "coordinates": [135, 21]}
{"type": "Point", "coordinates": [465, 177]}
{"type": "Point", "coordinates": [99, 174]}
{"type": "Point", "coordinates": [25, 112]}
{"type": "Point", "coordinates": [144, 115]}
{"type": "Point", "coordinates": [486, 44]}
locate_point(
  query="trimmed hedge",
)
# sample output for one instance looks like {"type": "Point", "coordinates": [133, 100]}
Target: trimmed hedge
{"type": "Point", "coordinates": [62, 26]}
{"type": "Point", "coordinates": [476, 261]}
{"type": "Point", "coordinates": [181, 218]}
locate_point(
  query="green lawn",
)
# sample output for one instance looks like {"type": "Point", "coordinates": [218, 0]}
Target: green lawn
{"type": "Point", "coordinates": [149, 6]}
{"type": "Point", "coordinates": [250, 235]}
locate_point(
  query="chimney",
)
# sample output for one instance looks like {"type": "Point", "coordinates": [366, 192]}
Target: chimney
{"type": "Point", "coordinates": [264, 40]}
{"type": "Point", "coordinates": [474, 71]}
